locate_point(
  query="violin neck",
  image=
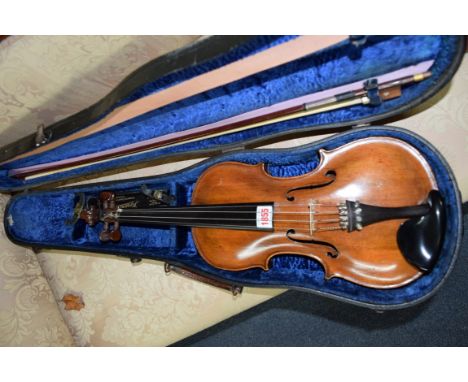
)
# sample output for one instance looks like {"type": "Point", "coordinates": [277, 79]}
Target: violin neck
{"type": "Point", "coordinates": [254, 217]}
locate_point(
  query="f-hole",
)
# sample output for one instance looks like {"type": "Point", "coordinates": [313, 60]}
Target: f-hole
{"type": "Point", "coordinates": [329, 174]}
{"type": "Point", "coordinates": [332, 250]}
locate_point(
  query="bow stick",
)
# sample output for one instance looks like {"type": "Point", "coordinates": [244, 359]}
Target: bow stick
{"type": "Point", "coordinates": [277, 113]}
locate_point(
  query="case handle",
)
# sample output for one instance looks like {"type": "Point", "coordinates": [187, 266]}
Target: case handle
{"type": "Point", "coordinates": [234, 289]}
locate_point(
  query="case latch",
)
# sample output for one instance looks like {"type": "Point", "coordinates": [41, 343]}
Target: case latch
{"type": "Point", "coordinates": [357, 42]}
{"type": "Point", "coordinates": [42, 136]}
{"type": "Point", "coordinates": [234, 289]}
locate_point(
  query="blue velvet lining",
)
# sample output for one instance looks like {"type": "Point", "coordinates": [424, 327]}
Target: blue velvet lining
{"type": "Point", "coordinates": [42, 219]}
{"type": "Point", "coordinates": [253, 46]}
{"type": "Point", "coordinates": [331, 67]}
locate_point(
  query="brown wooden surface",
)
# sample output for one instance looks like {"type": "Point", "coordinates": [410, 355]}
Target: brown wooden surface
{"type": "Point", "coordinates": [378, 171]}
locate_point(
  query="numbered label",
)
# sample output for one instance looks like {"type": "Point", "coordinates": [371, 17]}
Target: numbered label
{"type": "Point", "coordinates": [265, 216]}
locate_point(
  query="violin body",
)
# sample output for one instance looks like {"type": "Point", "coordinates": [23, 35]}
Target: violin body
{"type": "Point", "coordinates": [376, 171]}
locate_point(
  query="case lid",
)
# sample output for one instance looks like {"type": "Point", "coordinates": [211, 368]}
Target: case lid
{"type": "Point", "coordinates": [351, 60]}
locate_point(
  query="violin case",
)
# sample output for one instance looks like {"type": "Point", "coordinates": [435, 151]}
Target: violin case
{"type": "Point", "coordinates": [39, 214]}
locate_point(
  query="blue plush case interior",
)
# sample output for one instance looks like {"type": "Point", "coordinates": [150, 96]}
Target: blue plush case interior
{"type": "Point", "coordinates": [42, 219]}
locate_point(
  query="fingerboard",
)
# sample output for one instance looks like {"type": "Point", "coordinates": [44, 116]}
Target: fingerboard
{"type": "Point", "coordinates": [255, 217]}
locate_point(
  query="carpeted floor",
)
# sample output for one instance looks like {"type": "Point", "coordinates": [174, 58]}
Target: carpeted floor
{"type": "Point", "coordinates": [301, 319]}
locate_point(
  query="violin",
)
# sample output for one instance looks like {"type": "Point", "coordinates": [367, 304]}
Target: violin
{"type": "Point", "coordinates": [369, 213]}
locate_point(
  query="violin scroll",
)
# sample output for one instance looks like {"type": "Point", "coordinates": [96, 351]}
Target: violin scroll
{"type": "Point", "coordinates": [111, 228]}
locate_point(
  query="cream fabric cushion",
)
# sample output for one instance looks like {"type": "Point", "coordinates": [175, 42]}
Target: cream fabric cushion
{"type": "Point", "coordinates": [28, 311]}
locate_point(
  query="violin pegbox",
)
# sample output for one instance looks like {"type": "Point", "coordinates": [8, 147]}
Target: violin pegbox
{"type": "Point", "coordinates": [103, 209]}
{"type": "Point", "coordinates": [109, 215]}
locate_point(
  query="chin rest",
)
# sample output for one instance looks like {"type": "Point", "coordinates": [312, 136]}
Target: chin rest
{"type": "Point", "coordinates": [420, 238]}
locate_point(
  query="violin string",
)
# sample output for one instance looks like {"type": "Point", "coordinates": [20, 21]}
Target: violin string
{"type": "Point", "coordinates": [203, 209]}
{"type": "Point", "coordinates": [237, 212]}
{"type": "Point", "coordinates": [296, 230]}
{"type": "Point", "coordinates": [327, 221]}
{"type": "Point", "coordinates": [332, 228]}
{"type": "Point", "coordinates": [337, 204]}
{"type": "Point", "coordinates": [156, 218]}
{"type": "Point", "coordinates": [197, 208]}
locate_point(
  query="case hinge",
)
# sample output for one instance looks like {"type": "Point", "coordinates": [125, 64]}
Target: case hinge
{"type": "Point", "coordinates": [234, 289]}
{"type": "Point", "coordinates": [357, 42]}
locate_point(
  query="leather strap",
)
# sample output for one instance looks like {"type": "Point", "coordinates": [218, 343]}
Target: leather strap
{"type": "Point", "coordinates": [234, 289]}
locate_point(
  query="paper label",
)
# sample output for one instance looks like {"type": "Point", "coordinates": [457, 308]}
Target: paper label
{"type": "Point", "coordinates": [264, 216]}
